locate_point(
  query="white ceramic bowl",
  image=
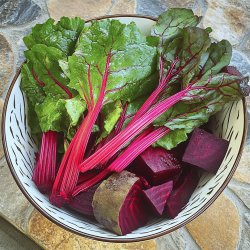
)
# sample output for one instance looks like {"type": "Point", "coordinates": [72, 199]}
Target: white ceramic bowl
{"type": "Point", "coordinates": [20, 154]}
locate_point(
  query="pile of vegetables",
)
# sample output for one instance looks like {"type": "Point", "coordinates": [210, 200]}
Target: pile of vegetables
{"type": "Point", "coordinates": [110, 108]}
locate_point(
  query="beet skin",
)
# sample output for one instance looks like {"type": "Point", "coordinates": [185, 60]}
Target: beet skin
{"type": "Point", "coordinates": [119, 203]}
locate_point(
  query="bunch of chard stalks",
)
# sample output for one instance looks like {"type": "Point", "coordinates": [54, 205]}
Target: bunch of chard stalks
{"type": "Point", "coordinates": [138, 126]}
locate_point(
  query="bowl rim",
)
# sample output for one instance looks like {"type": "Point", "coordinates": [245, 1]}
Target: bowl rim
{"type": "Point", "coordinates": [99, 238]}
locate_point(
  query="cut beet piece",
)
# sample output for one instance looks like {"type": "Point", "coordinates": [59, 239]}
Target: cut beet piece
{"type": "Point", "coordinates": [119, 203]}
{"type": "Point", "coordinates": [179, 150]}
{"type": "Point", "coordinates": [156, 165]}
{"type": "Point", "coordinates": [180, 194]}
{"type": "Point", "coordinates": [205, 151]}
{"type": "Point", "coordinates": [158, 196]}
{"type": "Point", "coordinates": [145, 184]}
{"type": "Point", "coordinates": [82, 203]}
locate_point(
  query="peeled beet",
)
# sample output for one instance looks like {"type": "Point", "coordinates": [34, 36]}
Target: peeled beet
{"type": "Point", "coordinates": [158, 196]}
{"type": "Point", "coordinates": [181, 193]}
{"type": "Point", "coordinates": [82, 203]}
{"type": "Point", "coordinates": [119, 203]}
{"type": "Point", "coordinates": [205, 150]}
{"type": "Point", "coordinates": [156, 165]}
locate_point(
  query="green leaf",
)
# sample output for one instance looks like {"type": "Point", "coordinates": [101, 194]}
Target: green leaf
{"type": "Point", "coordinates": [218, 56]}
{"type": "Point", "coordinates": [195, 43]}
{"type": "Point", "coordinates": [171, 21]}
{"type": "Point", "coordinates": [189, 47]}
{"type": "Point", "coordinates": [95, 128]}
{"type": "Point", "coordinates": [44, 61]}
{"type": "Point", "coordinates": [133, 107]}
{"type": "Point", "coordinates": [33, 90]}
{"type": "Point", "coordinates": [132, 60]}
{"type": "Point", "coordinates": [218, 88]}
{"type": "Point", "coordinates": [34, 94]}
{"type": "Point", "coordinates": [133, 91]}
{"type": "Point", "coordinates": [43, 80]}
{"type": "Point", "coordinates": [172, 139]}
{"type": "Point", "coordinates": [61, 35]}
{"type": "Point", "coordinates": [198, 105]}
{"type": "Point", "coordinates": [110, 115]}
{"type": "Point", "coordinates": [153, 41]}
{"type": "Point", "coordinates": [65, 67]}
{"type": "Point", "coordinates": [52, 114]}
{"type": "Point", "coordinates": [75, 108]}
{"type": "Point", "coordinates": [33, 120]}
{"type": "Point", "coordinates": [201, 63]}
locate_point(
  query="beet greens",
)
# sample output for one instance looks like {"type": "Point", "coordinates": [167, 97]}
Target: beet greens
{"type": "Point", "coordinates": [191, 89]}
{"type": "Point", "coordinates": [53, 106]}
{"type": "Point", "coordinates": [110, 61]}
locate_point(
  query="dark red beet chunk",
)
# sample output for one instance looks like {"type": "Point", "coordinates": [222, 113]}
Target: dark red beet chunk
{"type": "Point", "coordinates": [180, 195]}
{"type": "Point", "coordinates": [156, 165]}
{"type": "Point", "coordinates": [133, 213]}
{"type": "Point", "coordinates": [179, 150]}
{"type": "Point", "coordinates": [82, 203]}
{"type": "Point", "coordinates": [158, 196]}
{"type": "Point", "coordinates": [205, 151]}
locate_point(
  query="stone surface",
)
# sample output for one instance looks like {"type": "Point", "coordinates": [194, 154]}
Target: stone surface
{"type": "Point", "coordinates": [6, 63]}
{"type": "Point", "coordinates": [50, 236]}
{"type": "Point", "coordinates": [232, 19]}
{"type": "Point", "coordinates": [179, 239]}
{"type": "Point", "coordinates": [165, 243]}
{"type": "Point", "coordinates": [151, 7]}
{"type": "Point", "coordinates": [218, 227]}
{"type": "Point", "coordinates": [1, 145]}
{"type": "Point", "coordinates": [123, 7]}
{"type": "Point", "coordinates": [21, 49]}
{"type": "Point", "coordinates": [85, 9]}
{"type": "Point", "coordinates": [17, 36]}
{"type": "Point", "coordinates": [80, 243]}
{"type": "Point", "coordinates": [16, 12]}
{"type": "Point", "coordinates": [241, 62]}
{"type": "Point", "coordinates": [242, 191]}
{"type": "Point", "coordinates": [12, 239]}
{"type": "Point", "coordinates": [156, 7]}
{"type": "Point", "coordinates": [242, 173]}
{"type": "Point", "coordinates": [245, 232]}
{"type": "Point", "coordinates": [44, 232]}
{"type": "Point", "coordinates": [198, 7]}
{"type": "Point", "coordinates": [181, 4]}
{"type": "Point", "coordinates": [245, 45]}
{"type": "Point", "coordinates": [14, 207]}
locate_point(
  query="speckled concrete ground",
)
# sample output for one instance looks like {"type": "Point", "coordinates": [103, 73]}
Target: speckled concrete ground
{"type": "Point", "coordinates": [13, 239]}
